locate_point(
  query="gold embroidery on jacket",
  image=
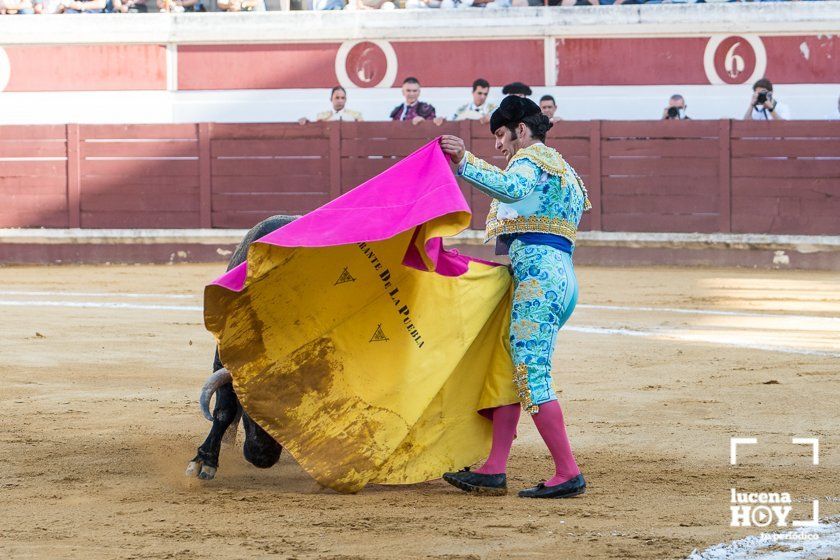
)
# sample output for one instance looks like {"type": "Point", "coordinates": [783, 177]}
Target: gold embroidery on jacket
{"type": "Point", "coordinates": [550, 161]}
{"type": "Point", "coordinates": [520, 379]}
{"type": "Point", "coordinates": [481, 164]}
{"type": "Point", "coordinates": [525, 224]}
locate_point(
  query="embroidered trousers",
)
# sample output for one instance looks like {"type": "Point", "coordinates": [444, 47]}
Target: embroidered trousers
{"type": "Point", "coordinates": [545, 294]}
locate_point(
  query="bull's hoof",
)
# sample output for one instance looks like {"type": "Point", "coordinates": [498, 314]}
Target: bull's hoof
{"type": "Point", "coordinates": [193, 468]}
{"type": "Point", "coordinates": [202, 471]}
{"type": "Point", "coordinates": [207, 473]}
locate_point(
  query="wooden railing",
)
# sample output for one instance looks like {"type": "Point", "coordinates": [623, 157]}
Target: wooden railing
{"type": "Point", "coordinates": [681, 176]}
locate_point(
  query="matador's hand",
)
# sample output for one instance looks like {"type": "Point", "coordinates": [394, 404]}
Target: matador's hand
{"type": "Point", "coordinates": [453, 147]}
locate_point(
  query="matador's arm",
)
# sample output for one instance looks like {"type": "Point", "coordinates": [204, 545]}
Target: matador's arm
{"type": "Point", "coordinates": [508, 186]}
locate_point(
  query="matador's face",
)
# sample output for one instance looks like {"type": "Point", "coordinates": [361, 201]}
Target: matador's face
{"type": "Point", "coordinates": [510, 141]}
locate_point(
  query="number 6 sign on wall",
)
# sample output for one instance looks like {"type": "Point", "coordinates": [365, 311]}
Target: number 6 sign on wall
{"type": "Point", "coordinates": [734, 59]}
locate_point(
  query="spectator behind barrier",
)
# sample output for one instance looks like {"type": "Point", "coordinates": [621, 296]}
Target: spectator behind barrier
{"type": "Point", "coordinates": [81, 6]}
{"type": "Point", "coordinates": [423, 4]}
{"type": "Point", "coordinates": [339, 111]}
{"type": "Point", "coordinates": [763, 105]}
{"type": "Point", "coordinates": [548, 107]}
{"type": "Point", "coordinates": [479, 109]}
{"type": "Point", "coordinates": [11, 7]}
{"type": "Point", "coordinates": [322, 5]}
{"type": "Point", "coordinates": [370, 5]}
{"type": "Point", "coordinates": [617, 2]}
{"type": "Point", "coordinates": [241, 5]}
{"type": "Point", "coordinates": [413, 109]}
{"type": "Point", "coordinates": [517, 88]}
{"type": "Point", "coordinates": [130, 6]}
{"type": "Point", "coordinates": [676, 108]}
{"type": "Point", "coordinates": [180, 6]}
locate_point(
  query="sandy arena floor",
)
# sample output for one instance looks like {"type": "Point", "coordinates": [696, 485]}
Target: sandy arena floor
{"type": "Point", "coordinates": [101, 368]}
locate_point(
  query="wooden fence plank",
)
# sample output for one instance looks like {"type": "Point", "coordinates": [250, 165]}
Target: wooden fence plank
{"type": "Point", "coordinates": [132, 219]}
{"type": "Point", "coordinates": [163, 184]}
{"type": "Point", "coordinates": [33, 132]}
{"type": "Point", "coordinates": [594, 186]}
{"type": "Point", "coordinates": [681, 223]}
{"type": "Point", "coordinates": [205, 175]}
{"type": "Point", "coordinates": [656, 204]}
{"type": "Point", "coordinates": [570, 147]}
{"type": "Point", "coordinates": [282, 203]}
{"type": "Point", "coordinates": [262, 167]}
{"type": "Point", "coordinates": [671, 147]}
{"type": "Point", "coordinates": [797, 187]}
{"type": "Point", "coordinates": [784, 167]}
{"type": "Point", "coordinates": [656, 184]}
{"type": "Point", "coordinates": [269, 131]}
{"type": "Point", "coordinates": [131, 150]}
{"type": "Point", "coordinates": [785, 147]}
{"type": "Point", "coordinates": [382, 147]}
{"type": "Point", "coordinates": [40, 217]}
{"type": "Point", "coordinates": [139, 167]}
{"type": "Point", "coordinates": [662, 167]}
{"type": "Point", "coordinates": [364, 131]}
{"type": "Point", "coordinates": [142, 202]}
{"type": "Point", "coordinates": [240, 184]}
{"type": "Point", "coordinates": [137, 131]}
{"type": "Point", "coordinates": [37, 184]}
{"type": "Point", "coordinates": [659, 129]}
{"type": "Point", "coordinates": [74, 176]}
{"type": "Point", "coordinates": [724, 177]}
{"type": "Point", "coordinates": [33, 148]}
{"type": "Point", "coordinates": [309, 147]}
{"type": "Point", "coordinates": [335, 161]}
{"type": "Point", "coordinates": [786, 129]}
{"type": "Point", "coordinates": [785, 225]}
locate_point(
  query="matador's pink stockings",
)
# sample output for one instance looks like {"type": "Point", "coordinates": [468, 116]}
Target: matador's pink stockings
{"type": "Point", "coordinates": [549, 422]}
{"type": "Point", "coordinates": [505, 419]}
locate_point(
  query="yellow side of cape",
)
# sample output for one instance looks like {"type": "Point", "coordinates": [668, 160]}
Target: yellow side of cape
{"type": "Point", "coordinates": [364, 369]}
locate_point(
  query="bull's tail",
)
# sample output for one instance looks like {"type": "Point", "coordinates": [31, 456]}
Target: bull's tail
{"type": "Point", "coordinates": [219, 378]}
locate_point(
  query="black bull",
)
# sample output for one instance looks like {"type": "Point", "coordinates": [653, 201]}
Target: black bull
{"type": "Point", "coordinates": [259, 449]}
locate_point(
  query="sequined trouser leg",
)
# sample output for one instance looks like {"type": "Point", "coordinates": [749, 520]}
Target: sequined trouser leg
{"type": "Point", "coordinates": [544, 296]}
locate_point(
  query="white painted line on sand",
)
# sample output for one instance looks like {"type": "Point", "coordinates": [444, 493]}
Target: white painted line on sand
{"type": "Point", "coordinates": [646, 309]}
{"type": "Point", "coordinates": [670, 335]}
{"type": "Point", "coordinates": [100, 305]}
{"type": "Point", "coordinates": [706, 312]}
{"type": "Point", "coordinates": [96, 294]}
{"type": "Point", "coordinates": [691, 337]}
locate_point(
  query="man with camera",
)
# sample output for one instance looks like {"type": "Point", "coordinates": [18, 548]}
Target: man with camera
{"type": "Point", "coordinates": [763, 106]}
{"type": "Point", "coordinates": [675, 109]}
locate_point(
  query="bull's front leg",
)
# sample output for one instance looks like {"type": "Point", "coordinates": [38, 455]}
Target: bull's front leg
{"type": "Point", "coordinates": [260, 449]}
{"type": "Point", "coordinates": [206, 462]}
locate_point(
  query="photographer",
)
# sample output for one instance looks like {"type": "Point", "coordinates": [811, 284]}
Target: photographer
{"type": "Point", "coordinates": [675, 109]}
{"type": "Point", "coordinates": [763, 106]}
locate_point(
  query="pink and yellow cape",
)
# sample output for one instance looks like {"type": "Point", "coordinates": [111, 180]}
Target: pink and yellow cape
{"type": "Point", "coordinates": [362, 345]}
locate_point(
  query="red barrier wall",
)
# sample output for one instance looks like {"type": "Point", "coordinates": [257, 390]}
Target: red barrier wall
{"type": "Point", "coordinates": [659, 176]}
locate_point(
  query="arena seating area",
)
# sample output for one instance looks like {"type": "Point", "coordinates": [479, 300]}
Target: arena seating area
{"type": "Point", "coordinates": [11, 7]}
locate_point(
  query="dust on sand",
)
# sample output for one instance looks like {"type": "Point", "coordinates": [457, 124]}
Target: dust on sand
{"type": "Point", "coordinates": [100, 419]}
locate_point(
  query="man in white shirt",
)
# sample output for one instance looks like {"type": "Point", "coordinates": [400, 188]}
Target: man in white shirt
{"type": "Point", "coordinates": [763, 106]}
{"type": "Point", "coordinates": [339, 111]}
{"type": "Point", "coordinates": [548, 106]}
{"type": "Point", "coordinates": [479, 109]}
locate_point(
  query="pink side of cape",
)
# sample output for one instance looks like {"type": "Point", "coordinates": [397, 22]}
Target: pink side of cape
{"type": "Point", "coordinates": [417, 189]}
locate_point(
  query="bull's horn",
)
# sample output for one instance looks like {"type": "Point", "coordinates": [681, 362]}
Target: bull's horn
{"type": "Point", "coordinates": [219, 378]}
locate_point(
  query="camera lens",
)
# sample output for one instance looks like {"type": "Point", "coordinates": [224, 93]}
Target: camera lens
{"type": "Point", "coordinates": [762, 98]}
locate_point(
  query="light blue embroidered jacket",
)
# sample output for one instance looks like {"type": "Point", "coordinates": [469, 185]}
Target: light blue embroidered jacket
{"type": "Point", "coordinates": [537, 192]}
